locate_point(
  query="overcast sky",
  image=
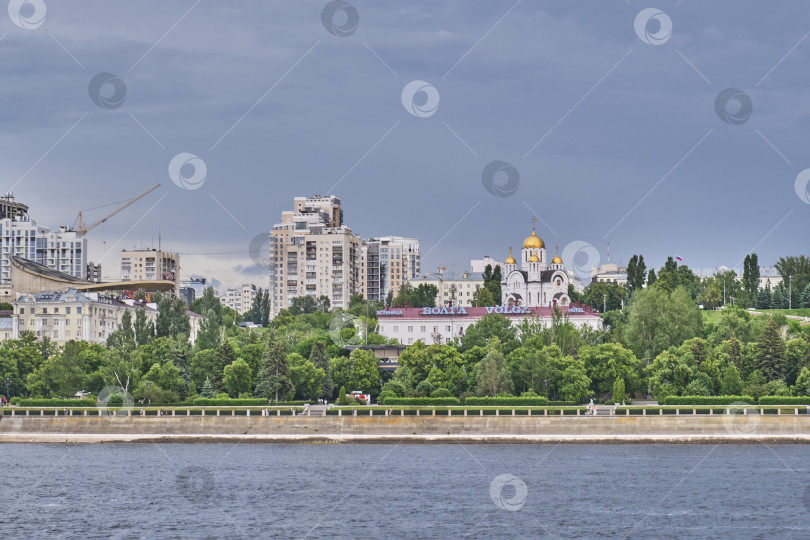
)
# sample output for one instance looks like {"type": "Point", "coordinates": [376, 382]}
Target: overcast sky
{"type": "Point", "coordinates": [611, 124]}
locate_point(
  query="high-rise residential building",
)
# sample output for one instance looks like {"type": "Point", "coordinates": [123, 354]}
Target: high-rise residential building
{"type": "Point", "coordinates": [312, 253]}
{"type": "Point", "coordinates": [239, 299]}
{"type": "Point", "coordinates": [150, 265]}
{"type": "Point", "coordinates": [11, 209]}
{"type": "Point", "coordinates": [93, 272]}
{"type": "Point", "coordinates": [63, 250]}
{"type": "Point", "coordinates": [388, 263]}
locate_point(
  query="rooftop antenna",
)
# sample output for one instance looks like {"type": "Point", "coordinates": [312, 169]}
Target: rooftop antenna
{"type": "Point", "coordinates": [608, 250]}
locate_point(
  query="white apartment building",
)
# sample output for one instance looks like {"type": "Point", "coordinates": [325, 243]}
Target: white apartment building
{"type": "Point", "coordinates": [387, 263]}
{"type": "Point", "coordinates": [479, 265]}
{"type": "Point", "coordinates": [312, 253]}
{"type": "Point", "coordinates": [63, 250]}
{"type": "Point", "coordinates": [150, 265]}
{"type": "Point", "coordinates": [454, 289]}
{"type": "Point", "coordinates": [239, 299]}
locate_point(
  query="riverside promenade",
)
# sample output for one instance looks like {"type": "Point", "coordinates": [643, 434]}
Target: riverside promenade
{"type": "Point", "coordinates": [700, 428]}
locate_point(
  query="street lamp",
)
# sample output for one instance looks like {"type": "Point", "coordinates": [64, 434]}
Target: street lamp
{"type": "Point", "coordinates": [8, 389]}
{"type": "Point", "coordinates": [149, 391]}
{"type": "Point", "coordinates": [545, 382]}
{"type": "Point", "coordinates": [267, 383]}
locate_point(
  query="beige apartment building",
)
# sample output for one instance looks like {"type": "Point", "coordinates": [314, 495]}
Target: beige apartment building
{"type": "Point", "coordinates": [150, 264]}
{"type": "Point", "coordinates": [69, 314]}
{"type": "Point", "coordinates": [312, 253]}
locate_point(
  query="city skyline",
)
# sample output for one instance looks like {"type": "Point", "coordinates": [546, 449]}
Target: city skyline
{"type": "Point", "coordinates": [613, 128]}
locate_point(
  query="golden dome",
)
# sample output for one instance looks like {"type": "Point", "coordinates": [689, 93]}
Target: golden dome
{"type": "Point", "coordinates": [534, 258]}
{"type": "Point", "coordinates": [510, 259]}
{"type": "Point", "coordinates": [533, 241]}
{"type": "Point", "coordinates": [556, 260]}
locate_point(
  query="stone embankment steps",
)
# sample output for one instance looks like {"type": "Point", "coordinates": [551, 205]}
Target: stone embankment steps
{"type": "Point", "coordinates": [316, 410]}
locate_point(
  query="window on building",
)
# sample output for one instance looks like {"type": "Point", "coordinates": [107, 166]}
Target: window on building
{"type": "Point", "coordinates": [410, 329]}
{"type": "Point", "coordinates": [22, 311]}
{"type": "Point", "coordinates": [448, 329]}
{"type": "Point", "coordinates": [422, 329]}
{"type": "Point", "coordinates": [395, 329]}
{"type": "Point", "coordinates": [79, 310]}
{"type": "Point", "coordinates": [67, 310]}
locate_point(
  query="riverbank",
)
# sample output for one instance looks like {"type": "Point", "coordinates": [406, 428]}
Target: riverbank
{"type": "Point", "coordinates": [753, 427]}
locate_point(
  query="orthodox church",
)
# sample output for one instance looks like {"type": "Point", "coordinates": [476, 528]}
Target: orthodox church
{"type": "Point", "coordinates": [534, 282]}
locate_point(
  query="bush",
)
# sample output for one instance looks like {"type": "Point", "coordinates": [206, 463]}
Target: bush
{"type": "Point", "coordinates": [15, 400]}
{"type": "Point", "coordinates": [424, 387]}
{"type": "Point", "coordinates": [220, 402]}
{"type": "Point", "coordinates": [506, 401]}
{"type": "Point", "coordinates": [618, 390]}
{"type": "Point", "coordinates": [86, 402]}
{"type": "Point", "coordinates": [784, 400]}
{"type": "Point", "coordinates": [393, 387]}
{"type": "Point", "coordinates": [696, 388]}
{"type": "Point", "coordinates": [441, 392]}
{"type": "Point", "coordinates": [421, 401]}
{"type": "Point", "coordinates": [706, 400]}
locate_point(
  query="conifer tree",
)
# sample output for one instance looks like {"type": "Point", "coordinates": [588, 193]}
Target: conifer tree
{"type": "Point", "coordinates": [207, 389]}
{"type": "Point", "coordinates": [320, 359]}
{"type": "Point", "coordinates": [274, 371]}
{"type": "Point", "coordinates": [732, 384]}
{"type": "Point", "coordinates": [770, 352]}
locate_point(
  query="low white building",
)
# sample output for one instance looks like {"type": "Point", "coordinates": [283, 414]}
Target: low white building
{"type": "Point", "coordinates": [440, 324]}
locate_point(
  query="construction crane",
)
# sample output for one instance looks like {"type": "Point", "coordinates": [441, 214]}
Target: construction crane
{"type": "Point", "coordinates": [84, 229]}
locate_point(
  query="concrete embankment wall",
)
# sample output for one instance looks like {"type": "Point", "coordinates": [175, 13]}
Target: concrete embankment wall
{"type": "Point", "coordinates": [783, 428]}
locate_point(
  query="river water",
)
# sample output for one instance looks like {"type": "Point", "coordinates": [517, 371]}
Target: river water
{"type": "Point", "coordinates": [404, 491]}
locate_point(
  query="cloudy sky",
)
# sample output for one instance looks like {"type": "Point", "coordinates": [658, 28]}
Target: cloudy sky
{"type": "Point", "coordinates": [609, 125]}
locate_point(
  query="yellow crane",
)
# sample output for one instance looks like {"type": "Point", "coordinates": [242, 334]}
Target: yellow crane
{"type": "Point", "coordinates": [84, 229]}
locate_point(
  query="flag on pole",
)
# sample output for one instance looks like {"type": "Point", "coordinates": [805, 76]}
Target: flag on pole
{"type": "Point", "coordinates": [678, 258]}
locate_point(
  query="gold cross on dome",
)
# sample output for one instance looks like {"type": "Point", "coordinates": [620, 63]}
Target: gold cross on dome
{"type": "Point", "coordinates": [534, 219]}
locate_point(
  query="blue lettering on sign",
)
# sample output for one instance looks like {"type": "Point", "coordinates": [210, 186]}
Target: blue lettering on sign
{"type": "Point", "coordinates": [506, 310]}
{"type": "Point", "coordinates": [576, 310]}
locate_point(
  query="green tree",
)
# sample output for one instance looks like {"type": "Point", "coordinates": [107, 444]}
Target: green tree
{"type": "Point", "coordinates": [575, 383]}
{"type": "Point", "coordinates": [306, 378]}
{"type": "Point", "coordinates": [126, 326]}
{"type": "Point", "coordinates": [607, 362]}
{"type": "Point", "coordinates": [275, 371]}
{"type": "Point", "coordinates": [121, 367]}
{"type": "Point", "coordinates": [207, 389]}
{"type": "Point", "coordinates": [209, 335]}
{"type": "Point", "coordinates": [303, 304]}
{"type": "Point", "coordinates": [651, 277]}
{"type": "Point", "coordinates": [207, 301]}
{"type": "Point", "coordinates": [144, 328]}
{"type": "Point", "coordinates": [806, 296]}
{"type": "Point", "coordinates": [238, 378]}
{"type": "Point", "coordinates": [492, 283]}
{"type": "Point", "coordinates": [320, 359]}
{"type": "Point", "coordinates": [636, 272]}
{"type": "Point", "coordinates": [770, 358]}
{"type": "Point", "coordinates": [493, 375]}
{"type": "Point", "coordinates": [202, 365]}
{"type": "Point", "coordinates": [482, 297]}
{"type": "Point", "coordinates": [618, 390]}
{"type": "Point", "coordinates": [751, 274]}
{"type": "Point", "coordinates": [658, 320]}
{"type": "Point", "coordinates": [732, 383]}
{"type": "Point", "coordinates": [226, 355]}
{"type": "Point", "coordinates": [490, 326]}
